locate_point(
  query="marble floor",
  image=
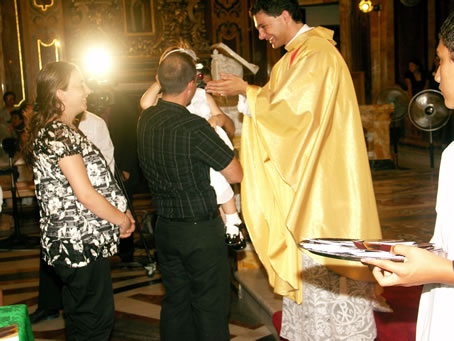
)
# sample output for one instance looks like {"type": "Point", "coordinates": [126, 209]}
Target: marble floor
{"type": "Point", "coordinates": [405, 199]}
{"type": "Point", "coordinates": [137, 292]}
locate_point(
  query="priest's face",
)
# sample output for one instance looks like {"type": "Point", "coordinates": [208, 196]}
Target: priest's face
{"type": "Point", "coordinates": [445, 74]}
{"type": "Point", "coordinates": [271, 28]}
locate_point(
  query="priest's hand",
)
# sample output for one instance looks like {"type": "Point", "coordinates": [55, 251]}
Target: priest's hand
{"type": "Point", "coordinates": [228, 85]}
{"type": "Point", "coordinates": [420, 267]}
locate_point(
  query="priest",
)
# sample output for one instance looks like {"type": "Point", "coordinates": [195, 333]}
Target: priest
{"type": "Point", "coordinates": [306, 175]}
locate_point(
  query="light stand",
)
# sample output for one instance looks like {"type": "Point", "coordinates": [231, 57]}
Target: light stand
{"type": "Point", "coordinates": [150, 268]}
{"type": "Point", "coordinates": [16, 240]}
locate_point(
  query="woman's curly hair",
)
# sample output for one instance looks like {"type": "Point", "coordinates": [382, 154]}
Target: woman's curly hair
{"type": "Point", "coordinates": [52, 77]}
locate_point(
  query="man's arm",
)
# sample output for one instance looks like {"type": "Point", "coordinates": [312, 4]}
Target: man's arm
{"type": "Point", "coordinates": [228, 85]}
{"type": "Point", "coordinates": [420, 267]}
{"type": "Point", "coordinates": [233, 173]}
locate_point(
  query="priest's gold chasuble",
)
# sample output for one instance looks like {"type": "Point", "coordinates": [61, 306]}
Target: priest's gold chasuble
{"type": "Point", "coordinates": [306, 170]}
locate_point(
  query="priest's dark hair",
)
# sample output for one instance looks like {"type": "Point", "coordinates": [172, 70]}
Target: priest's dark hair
{"type": "Point", "coordinates": [446, 34]}
{"type": "Point", "coordinates": [275, 8]}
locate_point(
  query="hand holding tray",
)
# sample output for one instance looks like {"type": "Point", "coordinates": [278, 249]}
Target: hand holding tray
{"type": "Point", "coordinates": [355, 249]}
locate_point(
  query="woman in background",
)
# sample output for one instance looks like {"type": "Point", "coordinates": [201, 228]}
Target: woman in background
{"type": "Point", "coordinates": [415, 78]}
{"type": "Point", "coordinates": [83, 212]}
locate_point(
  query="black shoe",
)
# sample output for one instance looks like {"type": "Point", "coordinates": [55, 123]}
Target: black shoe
{"type": "Point", "coordinates": [43, 315]}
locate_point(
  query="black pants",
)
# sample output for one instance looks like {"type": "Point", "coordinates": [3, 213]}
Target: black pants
{"type": "Point", "coordinates": [49, 292]}
{"type": "Point", "coordinates": [195, 272]}
{"type": "Point", "coordinates": [88, 301]}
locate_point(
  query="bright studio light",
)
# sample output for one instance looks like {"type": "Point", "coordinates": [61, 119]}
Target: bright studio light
{"type": "Point", "coordinates": [365, 6]}
{"type": "Point", "coordinates": [98, 63]}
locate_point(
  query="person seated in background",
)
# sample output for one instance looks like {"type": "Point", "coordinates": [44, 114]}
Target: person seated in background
{"type": "Point", "coordinates": [9, 98]}
{"type": "Point", "coordinates": [421, 266]}
{"type": "Point", "coordinates": [203, 105]}
{"type": "Point", "coordinates": [17, 122]}
{"type": "Point", "coordinates": [415, 78]}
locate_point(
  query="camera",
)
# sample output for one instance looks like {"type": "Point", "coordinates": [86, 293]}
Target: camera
{"type": "Point", "coordinates": [201, 72]}
{"type": "Point", "coordinates": [200, 83]}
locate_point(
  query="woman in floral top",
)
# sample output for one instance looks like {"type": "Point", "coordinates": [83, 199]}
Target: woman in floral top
{"type": "Point", "coordinates": [83, 212]}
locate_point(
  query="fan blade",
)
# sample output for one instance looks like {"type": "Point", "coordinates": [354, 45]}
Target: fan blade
{"type": "Point", "coordinates": [398, 98]}
{"type": "Point", "coordinates": [427, 110]}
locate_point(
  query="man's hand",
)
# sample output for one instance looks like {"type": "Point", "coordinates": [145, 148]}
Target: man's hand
{"type": "Point", "coordinates": [125, 175]}
{"type": "Point", "coordinates": [228, 85]}
{"type": "Point", "coordinates": [420, 267]}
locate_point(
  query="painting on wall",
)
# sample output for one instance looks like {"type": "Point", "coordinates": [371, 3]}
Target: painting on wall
{"type": "Point", "coordinates": [139, 17]}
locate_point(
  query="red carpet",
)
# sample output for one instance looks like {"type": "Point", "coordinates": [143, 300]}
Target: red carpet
{"type": "Point", "coordinates": [399, 325]}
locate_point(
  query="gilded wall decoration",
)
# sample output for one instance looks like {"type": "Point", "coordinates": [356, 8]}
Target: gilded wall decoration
{"type": "Point", "coordinates": [137, 31]}
{"type": "Point", "coordinates": [227, 7]}
{"type": "Point", "coordinates": [13, 50]}
{"type": "Point", "coordinates": [91, 23]}
{"type": "Point", "coordinates": [43, 5]}
{"type": "Point", "coordinates": [230, 25]}
{"type": "Point", "coordinates": [48, 52]}
{"type": "Point", "coordinates": [230, 34]}
{"type": "Point", "coordinates": [198, 30]}
{"type": "Point", "coordinates": [185, 21]}
{"type": "Point", "coordinates": [139, 17]}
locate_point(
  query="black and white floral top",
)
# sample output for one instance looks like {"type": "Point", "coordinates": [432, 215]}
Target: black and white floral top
{"type": "Point", "coordinates": [71, 234]}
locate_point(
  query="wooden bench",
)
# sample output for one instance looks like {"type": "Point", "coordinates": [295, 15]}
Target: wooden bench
{"type": "Point", "coordinates": [24, 184]}
{"type": "Point", "coordinates": [24, 189]}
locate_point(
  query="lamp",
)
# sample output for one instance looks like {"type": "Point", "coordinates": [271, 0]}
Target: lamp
{"type": "Point", "coordinates": [98, 63]}
{"type": "Point", "coordinates": [366, 6]}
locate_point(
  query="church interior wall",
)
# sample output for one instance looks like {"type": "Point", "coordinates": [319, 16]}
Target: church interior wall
{"type": "Point", "coordinates": [376, 46]}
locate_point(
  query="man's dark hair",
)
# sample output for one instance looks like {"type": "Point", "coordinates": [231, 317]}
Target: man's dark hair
{"type": "Point", "coordinates": [175, 72]}
{"type": "Point", "coordinates": [446, 34]}
{"type": "Point", "coordinates": [9, 93]}
{"type": "Point", "coordinates": [275, 8]}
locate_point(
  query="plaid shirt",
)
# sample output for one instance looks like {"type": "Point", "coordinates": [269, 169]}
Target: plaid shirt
{"type": "Point", "coordinates": [176, 150]}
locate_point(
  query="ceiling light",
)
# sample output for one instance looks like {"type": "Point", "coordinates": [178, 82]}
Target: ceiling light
{"type": "Point", "coordinates": [366, 6]}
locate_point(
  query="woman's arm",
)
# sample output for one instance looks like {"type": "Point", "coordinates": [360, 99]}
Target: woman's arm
{"type": "Point", "coordinates": [218, 118]}
{"type": "Point", "coordinates": [426, 83]}
{"type": "Point", "coordinates": [150, 97]}
{"type": "Point", "coordinates": [74, 170]}
{"type": "Point", "coordinates": [409, 87]}
{"type": "Point", "coordinates": [420, 267]}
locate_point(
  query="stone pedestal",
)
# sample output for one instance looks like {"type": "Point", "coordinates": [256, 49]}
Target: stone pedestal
{"type": "Point", "coordinates": [376, 121]}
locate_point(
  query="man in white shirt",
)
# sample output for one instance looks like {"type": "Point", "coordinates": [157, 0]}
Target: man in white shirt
{"type": "Point", "coordinates": [95, 128]}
